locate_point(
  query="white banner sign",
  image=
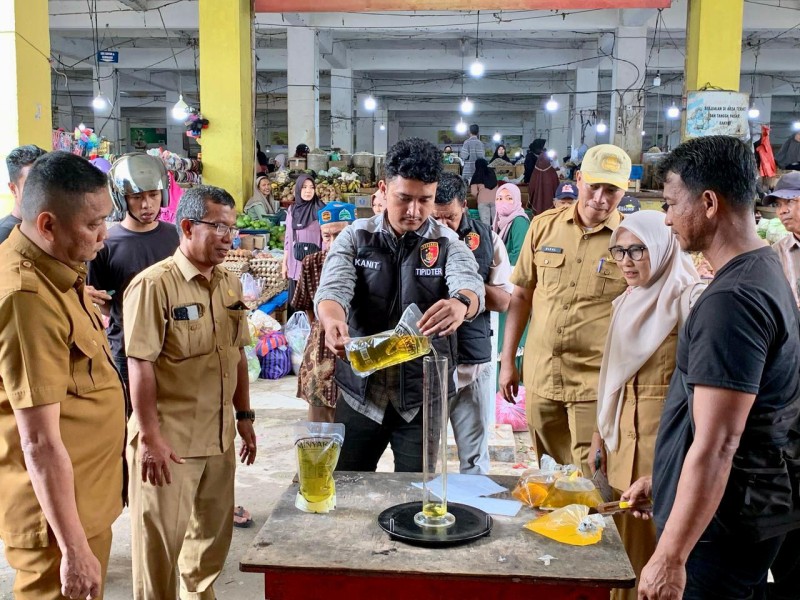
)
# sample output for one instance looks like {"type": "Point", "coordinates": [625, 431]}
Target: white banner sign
{"type": "Point", "coordinates": [717, 113]}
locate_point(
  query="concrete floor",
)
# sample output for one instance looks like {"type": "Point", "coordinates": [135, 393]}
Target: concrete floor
{"type": "Point", "coordinates": [257, 488]}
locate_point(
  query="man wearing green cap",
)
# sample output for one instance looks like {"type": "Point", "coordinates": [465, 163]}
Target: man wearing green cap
{"type": "Point", "coordinates": [565, 280]}
{"type": "Point", "coordinates": [315, 382]}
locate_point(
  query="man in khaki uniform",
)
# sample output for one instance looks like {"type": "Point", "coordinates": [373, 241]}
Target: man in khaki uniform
{"type": "Point", "coordinates": [566, 277]}
{"type": "Point", "coordinates": [185, 327]}
{"type": "Point", "coordinates": [62, 409]}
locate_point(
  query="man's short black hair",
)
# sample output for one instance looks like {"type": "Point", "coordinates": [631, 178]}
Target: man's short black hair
{"type": "Point", "coordinates": [451, 187]}
{"type": "Point", "coordinates": [413, 158]}
{"type": "Point", "coordinates": [21, 157]}
{"type": "Point", "coordinates": [719, 163]}
{"type": "Point", "coordinates": [57, 183]}
{"type": "Point", "coordinates": [474, 129]}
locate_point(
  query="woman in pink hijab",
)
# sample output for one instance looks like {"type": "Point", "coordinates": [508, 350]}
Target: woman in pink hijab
{"type": "Point", "coordinates": [511, 224]}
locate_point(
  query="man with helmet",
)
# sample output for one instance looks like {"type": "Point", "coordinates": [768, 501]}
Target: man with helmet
{"type": "Point", "coordinates": [139, 189]}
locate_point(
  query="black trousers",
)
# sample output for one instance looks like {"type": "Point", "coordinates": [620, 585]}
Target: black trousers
{"type": "Point", "coordinates": [786, 569]}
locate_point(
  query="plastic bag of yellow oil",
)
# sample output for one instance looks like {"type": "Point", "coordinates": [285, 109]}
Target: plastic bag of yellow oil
{"type": "Point", "coordinates": [317, 447]}
{"type": "Point", "coordinates": [533, 486]}
{"type": "Point", "coordinates": [570, 525]}
{"type": "Point", "coordinates": [571, 490]}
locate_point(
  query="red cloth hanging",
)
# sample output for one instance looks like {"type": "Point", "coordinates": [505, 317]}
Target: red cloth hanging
{"type": "Point", "coordinates": [175, 193]}
{"type": "Point", "coordinates": [767, 168]}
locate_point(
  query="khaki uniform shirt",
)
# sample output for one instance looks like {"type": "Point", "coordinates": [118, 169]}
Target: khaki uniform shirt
{"type": "Point", "coordinates": [641, 414]}
{"type": "Point", "coordinates": [53, 349]}
{"type": "Point", "coordinates": [788, 250]}
{"type": "Point", "coordinates": [181, 322]}
{"type": "Point", "coordinates": [574, 279]}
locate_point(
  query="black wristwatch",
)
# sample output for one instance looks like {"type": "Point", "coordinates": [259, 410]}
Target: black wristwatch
{"type": "Point", "coordinates": [246, 414]}
{"type": "Point", "coordinates": [464, 300]}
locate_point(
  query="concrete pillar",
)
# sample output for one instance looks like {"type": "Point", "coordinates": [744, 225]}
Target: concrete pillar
{"type": "Point", "coordinates": [176, 130]}
{"type": "Point", "coordinates": [25, 72]}
{"type": "Point", "coordinates": [627, 107]}
{"type": "Point", "coordinates": [226, 95]}
{"type": "Point", "coordinates": [587, 83]}
{"type": "Point", "coordinates": [303, 80]}
{"type": "Point", "coordinates": [394, 130]}
{"type": "Point", "coordinates": [713, 44]}
{"type": "Point", "coordinates": [65, 118]}
{"type": "Point", "coordinates": [342, 109]}
{"type": "Point", "coordinates": [365, 138]}
{"type": "Point", "coordinates": [560, 126]}
{"type": "Point", "coordinates": [528, 131]}
{"type": "Point", "coordinates": [380, 136]}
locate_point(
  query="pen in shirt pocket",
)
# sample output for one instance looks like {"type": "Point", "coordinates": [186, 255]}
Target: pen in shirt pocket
{"type": "Point", "coordinates": [600, 264]}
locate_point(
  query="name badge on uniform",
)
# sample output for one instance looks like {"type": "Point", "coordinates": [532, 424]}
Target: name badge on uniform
{"type": "Point", "coordinates": [552, 250]}
{"type": "Point", "coordinates": [435, 272]}
{"type": "Point", "coordinates": [364, 263]}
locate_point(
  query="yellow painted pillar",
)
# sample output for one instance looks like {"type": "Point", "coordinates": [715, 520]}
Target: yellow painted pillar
{"type": "Point", "coordinates": [713, 44]}
{"type": "Point", "coordinates": [25, 73]}
{"type": "Point", "coordinates": [226, 95]}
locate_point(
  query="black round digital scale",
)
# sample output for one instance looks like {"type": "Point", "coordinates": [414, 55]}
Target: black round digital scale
{"type": "Point", "coordinates": [471, 524]}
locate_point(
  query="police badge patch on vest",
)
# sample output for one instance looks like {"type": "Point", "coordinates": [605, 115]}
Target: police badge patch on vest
{"type": "Point", "coordinates": [472, 240]}
{"type": "Point", "coordinates": [429, 253]}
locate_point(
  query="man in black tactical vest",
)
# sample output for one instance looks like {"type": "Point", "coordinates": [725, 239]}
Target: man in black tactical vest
{"type": "Point", "coordinates": [377, 268]}
{"type": "Point", "coordinates": [472, 408]}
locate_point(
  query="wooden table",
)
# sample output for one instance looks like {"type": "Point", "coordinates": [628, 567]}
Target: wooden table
{"type": "Point", "coordinates": [346, 555]}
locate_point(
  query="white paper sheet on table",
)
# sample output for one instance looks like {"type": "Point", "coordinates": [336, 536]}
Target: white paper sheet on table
{"type": "Point", "coordinates": [471, 489]}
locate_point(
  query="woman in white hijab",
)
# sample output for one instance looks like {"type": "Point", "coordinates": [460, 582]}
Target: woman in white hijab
{"type": "Point", "coordinates": [638, 362]}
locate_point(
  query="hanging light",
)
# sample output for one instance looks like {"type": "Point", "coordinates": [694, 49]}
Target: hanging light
{"type": "Point", "coordinates": [601, 127]}
{"type": "Point", "coordinates": [181, 110]}
{"type": "Point", "coordinates": [476, 69]}
{"type": "Point", "coordinates": [551, 154]}
{"type": "Point", "coordinates": [81, 127]}
{"type": "Point", "coordinates": [461, 127]}
{"type": "Point", "coordinates": [796, 126]}
{"type": "Point", "coordinates": [551, 105]}
{"type": "Point", "coordinates": [467, 106]}
{"type": "Point", "coordinates": [644, 132]}
{"type": "Point", "coordinates": [673, 112]}
{"type": "Point", "coordinates": [382, 127]}
{"type": "Point", "coordinates": [753, 113]}
{"type": "Point", "coordinates": [370, 103]}
{"type": "Point", "coordinates": [497, 138]}
{"type": "Point", "coordinates": [517, 154]}
{"type": "Point", "coordinates": [100, 102]}
{"type": "Point", "coordinates": [657, 79]}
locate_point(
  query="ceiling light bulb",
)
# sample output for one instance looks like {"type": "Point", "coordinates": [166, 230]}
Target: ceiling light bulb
{"type": "Point", "coordinates": [644, 132]}
{"type": "Point", "coordinates": [382, 127]}
{"type": "Point", "coordinates": [601, 127]}
{"type": "Point", "coordinates": [551, 154]}
{"type": "Point", "coordinates": [657, 79]}
{"type": "Point", "coordinates": [796, 126]}
{"type": "Point", "coordinates": [461, 127]}
{"type": "Point", "coordinates": [673, 112]}
{"type": "Point", "coordinates": [81, 127]}
{"type": "Point", "coordinates": [99, 102]}
{"type": "Point", "coordinates": [497, 138]}
{"type": "Point", "coordinates": [181, 110]}
{"type": "Point", "coordinates": [476, 69]}
{"type": "Point", "coordinates": [370, 103]}
{"type": "Point", "coordinates": [467, 106]}
{"type": "Point", "coordinates": [753, 113]}
{"type": "Point", "coordinates": [517, 154]}
{"type": "Point", "coordinates": [551, 105]}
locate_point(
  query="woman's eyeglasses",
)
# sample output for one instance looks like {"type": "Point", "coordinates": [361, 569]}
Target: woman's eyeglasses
{"type": "Point", "coordinates": [635, 252]}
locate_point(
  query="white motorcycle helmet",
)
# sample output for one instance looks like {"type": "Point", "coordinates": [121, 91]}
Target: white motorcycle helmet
{"type": "Point", "coordinates": [134, 173]}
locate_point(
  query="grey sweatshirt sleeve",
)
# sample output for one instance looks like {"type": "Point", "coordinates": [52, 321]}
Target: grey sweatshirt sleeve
{"type": "Point", "coordinates": [461, 272]}
{"type": "Point", "coordinates": [338, 281]}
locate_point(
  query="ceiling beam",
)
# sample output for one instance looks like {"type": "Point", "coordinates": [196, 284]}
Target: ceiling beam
{"type": "Point", "coordinates": [135, 4]}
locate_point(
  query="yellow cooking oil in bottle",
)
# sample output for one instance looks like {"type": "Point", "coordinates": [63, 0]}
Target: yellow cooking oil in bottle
{"type": "Point", "coordinates": [381, 350]}
{"type": "Point", "coordinates": [317, 458]}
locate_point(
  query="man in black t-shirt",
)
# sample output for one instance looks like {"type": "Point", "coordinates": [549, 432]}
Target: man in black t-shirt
{"type": "Point", "coordinates": [727, 462]}
{"type": "Point", "coordinates": [140, 189]}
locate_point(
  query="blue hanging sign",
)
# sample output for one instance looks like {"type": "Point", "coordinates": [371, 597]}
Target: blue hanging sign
{"type": "Point", "coordinates": [108, 56]}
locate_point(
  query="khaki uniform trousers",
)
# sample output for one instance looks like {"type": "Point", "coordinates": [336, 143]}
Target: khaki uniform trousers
{"type": "Point", "coordinates": [188, 523]}
{"type": "Point", "coordinates": [39, 569]}
{"type": "Point", "coordinates": [562, 429]}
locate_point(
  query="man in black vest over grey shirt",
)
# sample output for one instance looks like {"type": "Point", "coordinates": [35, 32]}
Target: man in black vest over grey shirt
{"type": "Point", "coordinates": [377, 268]}
{"type": "Point", "coordinates": [473, 406]}
{"type": "Point", "coordinates": [726, 477]}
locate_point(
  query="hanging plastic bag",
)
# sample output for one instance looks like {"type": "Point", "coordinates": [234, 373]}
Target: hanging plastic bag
{"type": "Point", "coordinates": [253, 364]}
{"type": "Point", "coordinates": [388, 348]}
{"type": "Point", "coordinates": [251, 290]}
{"type": "Point", "coordinates": [511, 414]}
{"type": "Point", "coordinates": [574, 489]}
{"type": "Point", "coordinates": [297, 330]}
{"type": "Point", "coordinates": [317, 447]}
{"type": "Point", "coordinates": [571, 525]}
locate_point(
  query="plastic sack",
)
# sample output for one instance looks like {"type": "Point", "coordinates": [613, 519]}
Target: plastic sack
{"type": "Point", "coordinates": [297, 330]}
{"type": "Point", "coordinates": [574, 489]}
{"type": "Point", "coordinates": [261, 323]}
{"type": "Point", "coordinates": [571, 525]}
{"type": "Point", "coordinates": [389, 348]}
{"type": "Point", "coordinates": [534, 485]}
{"type": "Point", "coordinates": [251, 290]}
{"type": "Point", "coordinates": [511, 414]}
{"type": "Point", "coordinates": [253, 364]}
{"type": "Point", "coordinates": [317, 447]}
{"type": "Point", "coordinates": [276, 358]}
